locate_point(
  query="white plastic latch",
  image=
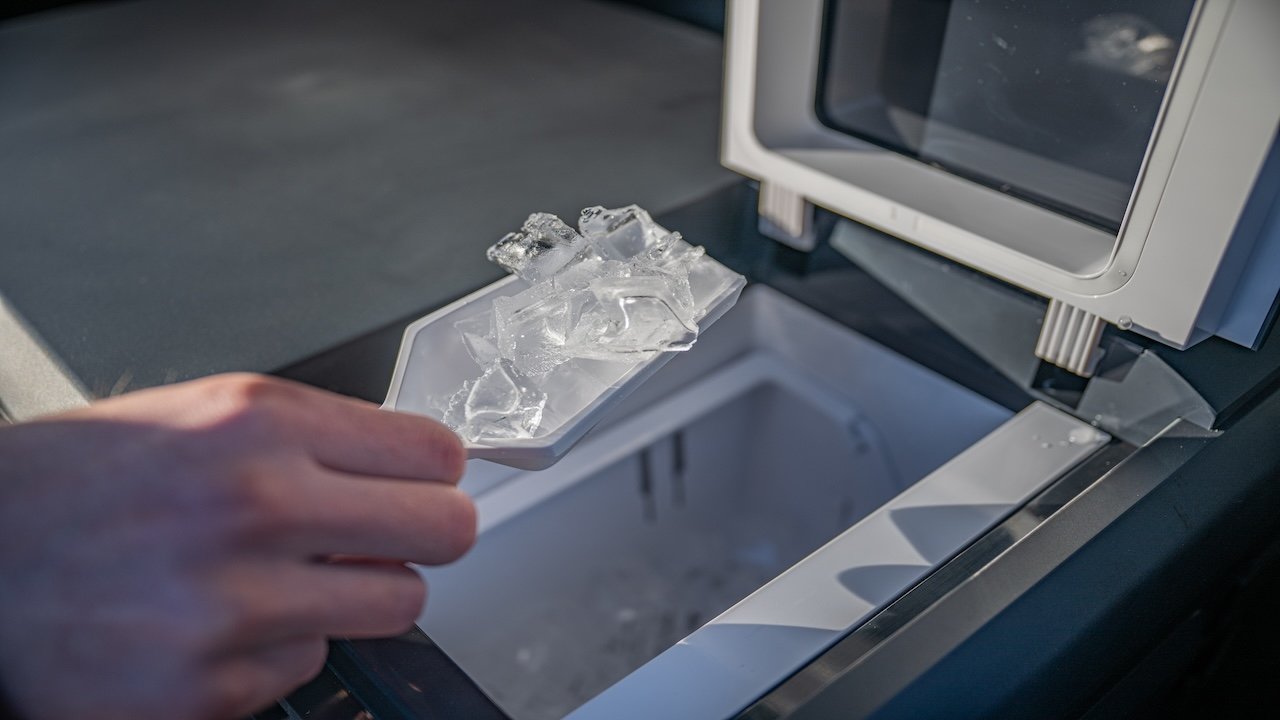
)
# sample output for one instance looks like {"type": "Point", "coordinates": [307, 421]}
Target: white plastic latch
{"type": "Point", "coordinates": [786, 217]}
{"type": "Point", "coordinates": [1069, 338]}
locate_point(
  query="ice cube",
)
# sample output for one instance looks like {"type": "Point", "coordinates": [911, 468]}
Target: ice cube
{"type": "Point", "coordinates": [451, 408]}
{"type": "Point", "coordinates": [622, 233]}
{"type": "Point", "coordinates": [648, 324]}
{"type": "Point", "coordinates": [579, 274]}
{"type": "Point", "coordinates": [478, 336]}
{"type": "Point", "coordinates": [673, 261]}
{"type": "Point", "coordinates": [501, 404]}
{"type": "Point", "coordinates": [675, 256]}
{"type": "Point", "coordinates": [542, 246]}
{"type": "Point", "coordinates": [531, 328]}
{"type": "Point", "coordinates": [494, 393]}
{"type": "Point", "coordinates": [631, 315]}
{"type": "Point", "coordinates": [676, 279]}
{"type": "Point", "coordinates": [596, 304]}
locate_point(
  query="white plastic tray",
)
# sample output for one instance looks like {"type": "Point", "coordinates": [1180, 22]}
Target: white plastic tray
{"type": "Point", "coordinates": [433, 363]}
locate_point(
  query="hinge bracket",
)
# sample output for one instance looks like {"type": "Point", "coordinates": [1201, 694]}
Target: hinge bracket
{"type": "Point", "coordinates": [787, 217]}
{"type": "Point", "coordinates": [1070, 338]}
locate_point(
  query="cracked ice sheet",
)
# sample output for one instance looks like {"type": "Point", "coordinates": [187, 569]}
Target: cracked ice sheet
{"type": "Point", "coordinates": [602, 298]}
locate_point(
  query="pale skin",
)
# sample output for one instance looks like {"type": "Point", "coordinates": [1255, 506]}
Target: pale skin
{"type": "Point", "coordinates": [185, 552]}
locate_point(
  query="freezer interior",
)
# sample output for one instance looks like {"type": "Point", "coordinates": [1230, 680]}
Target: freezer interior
{"type": "Point", "coordinates": [780, 431]}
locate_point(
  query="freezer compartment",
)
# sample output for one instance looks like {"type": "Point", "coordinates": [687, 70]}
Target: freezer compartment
{"type": "Point", "coordinates": [716, 482]}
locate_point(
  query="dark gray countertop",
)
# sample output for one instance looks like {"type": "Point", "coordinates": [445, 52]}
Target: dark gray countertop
{"type": "Point", "coordinates": [193, 187]}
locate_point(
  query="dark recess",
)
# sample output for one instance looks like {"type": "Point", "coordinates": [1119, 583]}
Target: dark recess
{"type": "Point", "coordinates": [707, 14]}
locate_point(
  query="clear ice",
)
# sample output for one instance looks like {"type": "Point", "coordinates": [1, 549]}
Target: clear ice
{"type": "Point", "coordinates": [543, 245]}
{"type": "Point", "coordinates": [619, 288]}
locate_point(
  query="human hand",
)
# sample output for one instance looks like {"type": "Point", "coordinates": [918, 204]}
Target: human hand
{"type": "Point", "coordinates": [184, 552]}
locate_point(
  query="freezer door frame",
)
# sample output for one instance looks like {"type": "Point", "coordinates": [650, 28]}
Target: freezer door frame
{"type": "Point", "coordinates": [1177, 242]}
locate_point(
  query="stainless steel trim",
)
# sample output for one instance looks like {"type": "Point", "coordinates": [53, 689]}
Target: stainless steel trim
{"type": "Point", "coordinates": [911, 634]}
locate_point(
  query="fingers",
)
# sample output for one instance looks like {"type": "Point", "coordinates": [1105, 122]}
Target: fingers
{"type": "Point", "coordinates": [280, 643]}
{"type": "Point", "coordinates": [281, 614]}
{"type": "Point", "coordinates": [341, 433]}
{"type": "Point", "coordinates": [249, 682]}
{"type": "Point", "coordinates": [338, 514]}
{"type": "Point", "coordinates": [288, 600]}
{"type": "Point", "coordinates": [354, 437]}
{"type": "Point", "coordinates": [357, 600]}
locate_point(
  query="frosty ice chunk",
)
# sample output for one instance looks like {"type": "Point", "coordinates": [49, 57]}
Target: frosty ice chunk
{"type": "Point", "coordinates": [673, 256]}
{"type": "Point", "coordinates": [631, 315]}
{"type": "Point", "coordinates": [501, 404]}
{"type": "Point", "coordinates": [479, 338]}
{"type": "Point", "coordinates": [531, 328]}
{"type": "Point", "coordinates": [542, 246]}
{"type": "Point", "coordinates": [645, 315]}
{"type": "Point", "coordinates": [580, 273]}
{"type": "Point", "coordinates": [493, 394]}
{"type": "Point", "coordinates": [675, 280]}
{"type": "Point", "coordinates": [623, 233]}
{"type": "Point", "coordinates": [596, 304]}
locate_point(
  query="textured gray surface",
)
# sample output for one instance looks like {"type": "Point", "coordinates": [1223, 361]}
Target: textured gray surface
{"type": "Point", "coordinates": [32, 381]}
{"type": "Point", "coordinates": [193, 187]}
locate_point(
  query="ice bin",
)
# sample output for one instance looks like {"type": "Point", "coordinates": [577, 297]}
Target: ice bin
{"type": "Point", "coordinates": [732, 466]}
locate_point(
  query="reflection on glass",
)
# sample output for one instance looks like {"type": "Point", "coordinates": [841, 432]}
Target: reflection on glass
{"type": "Point", "coordinates": [1051, 102]}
